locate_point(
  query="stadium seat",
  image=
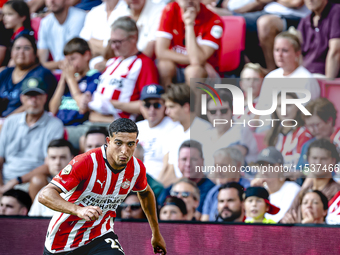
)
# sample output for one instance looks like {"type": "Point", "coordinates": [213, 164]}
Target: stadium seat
{"type": "Point", "coordinates": [331, 90]}
{"type": "Point", "coordinates": [35, 23]}
{"type": "Point", "coordinates": [259, 137]}
{"type": "Point", "coordinates": [233, 43]}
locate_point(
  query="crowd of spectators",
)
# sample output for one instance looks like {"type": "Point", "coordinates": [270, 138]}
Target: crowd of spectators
{"type": "Point", "coordinates": [90, 63]}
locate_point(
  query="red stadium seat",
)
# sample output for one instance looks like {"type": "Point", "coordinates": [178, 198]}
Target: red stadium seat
{"type": "Point", "coordinates": [35, 23]}
{"type": "Point", "coordinates": [259, 137]}
{"type": "Point", "coordinates": [233, 43]}
{"type": "Point", "coordinates": [331, 90]}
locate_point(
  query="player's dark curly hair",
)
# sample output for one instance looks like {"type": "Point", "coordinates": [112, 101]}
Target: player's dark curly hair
{"type": "Point", "coordinates": [124, 126]}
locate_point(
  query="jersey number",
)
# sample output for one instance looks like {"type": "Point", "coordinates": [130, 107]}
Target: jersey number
{"type": "Point", "coordinates": [114, 244]}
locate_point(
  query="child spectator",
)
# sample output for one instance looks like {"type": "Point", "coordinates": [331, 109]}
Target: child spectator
{"type": "Point", "coordinates": [288, 140]}
{"type": "Point", "coordinates": [314, 206]}
{"type": "Point", "coordinates": [257, 204]}
{"type": "Point", "coordinates": [174, 208]}
{"type": "Point", "coordinates": [75, 88]}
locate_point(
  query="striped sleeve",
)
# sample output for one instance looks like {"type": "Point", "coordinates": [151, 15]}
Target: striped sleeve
{"type": "Point", "coordinates": [141, 183]}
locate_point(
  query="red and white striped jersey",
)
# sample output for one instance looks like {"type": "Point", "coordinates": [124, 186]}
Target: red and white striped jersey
{"type": "Point", "coordinates": [88, 181]}
{"type": "Point", "coordinates": [124, 79]}
{"type": "Point", "coordinates": [290, 144]}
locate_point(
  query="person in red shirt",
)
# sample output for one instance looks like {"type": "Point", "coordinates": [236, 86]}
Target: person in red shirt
{"type": "Point", "coordinates": [95, 184]}
{"type": "Point", "coordinates": [188, 42]}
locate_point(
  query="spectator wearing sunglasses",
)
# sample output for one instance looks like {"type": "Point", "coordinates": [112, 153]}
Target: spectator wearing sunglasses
{"type": "Point", "coordinates": [174, 208]}
{"type": "Point", "coordinates": [228, 134]}
{"type": "Point", "coordinates": [153, 128]}
{"type": "Point", "coordinates": [131, 208]}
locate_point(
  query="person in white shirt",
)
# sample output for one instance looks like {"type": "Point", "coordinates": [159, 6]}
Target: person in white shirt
{"type": "Point", "coordinates": [154, 128]}
{"type": "Point", "coordinates": [59, 154]}
{"type": "Point", "coordinates": [56, 29]}
{"type": "Point", "coordinates": [287, 54]}
{"type": "Point", "coordinates": [281, 191]}
{"type": "Point", "coordinates": [180, 106]}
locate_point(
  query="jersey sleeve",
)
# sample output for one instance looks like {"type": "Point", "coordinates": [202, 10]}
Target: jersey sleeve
{"type": "Point", "coordinates": [73, 174]}
{"type": "Point", "coordinates": [213, 33]}
{"type": "Point", "coordinates": [141, 183]}
{"type": "Point", "coordinates": [165, 28]}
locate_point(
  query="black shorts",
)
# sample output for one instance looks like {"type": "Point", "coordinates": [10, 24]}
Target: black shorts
{"type": "Point", "coordinates": [105, 245]}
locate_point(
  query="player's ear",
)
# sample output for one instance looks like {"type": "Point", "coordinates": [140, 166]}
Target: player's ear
{"type": "Point", "coordinates": [107, 140]}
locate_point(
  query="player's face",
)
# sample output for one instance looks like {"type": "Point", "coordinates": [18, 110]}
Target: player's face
{"type": "Point", "coordinates": [318, 128]}
{"type": "Point", "coordinates": [256, 207]}
{"type": "Point", "coordinates": [186, 192]}
{"type": "Point", "coordinates": [33, 103]}
{"type": "Point", "coordinates": [251, 79]}
{"type": "Point", "coordinates": [312, 204]}
{"type": "Point", "coordinates": [131, 208]}
{"type": "Point", "coordinates": [171, 212]}
{"type": "Point", "coordinates": [94, 141]}
{"type": "Point", "coordinates": [320, 159]}
{"type": "Point", "coordinates": [120, 148]}
{"type": "Point", "coordinates": [153, 110]}
{"type": "Point", "coordinates": [174, 111]}
{"type": "Point", "coordinates": [11, 206]}
{"type": "Point", "coordinates": [188, 159]}
{"type": "Point", "coordinates": [229, 204]}
{"type": "Point", "coordinates": [57, 159]}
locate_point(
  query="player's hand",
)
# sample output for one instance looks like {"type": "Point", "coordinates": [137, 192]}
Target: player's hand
{"type": "Point", "coordinates": [89, 213]}
{"type": "Point", "coordinates": [189, 16]}
{"type": "Point", "coordinates": [158, 244]}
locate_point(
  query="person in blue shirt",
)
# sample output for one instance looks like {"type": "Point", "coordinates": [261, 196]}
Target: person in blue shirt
{"type": "Point", "coordinates": [223, 157]}
{"type": "Point", "coordinates": [190, 156]}
{"type": "Point", "coordinates": [75, 88]}
{"type": "Point", "coordinates": [24, 56]}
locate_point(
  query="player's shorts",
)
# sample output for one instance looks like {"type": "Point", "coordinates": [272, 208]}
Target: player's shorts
{"type": "Point", "coordinates": [105, 245]}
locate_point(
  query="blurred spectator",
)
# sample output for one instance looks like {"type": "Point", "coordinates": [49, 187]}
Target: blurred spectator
{"type": "Point", "coordinates": [263, 26]}
{"type": "Point", "coordinates": [321, 124]}
{"type": "Point", "coordinates": [36, 6]}
{"type": "Point", "coordinates": [188, 191]}
{"type": "Point", "coordinates": [257, 204]}
{"type": "Point", "coordinates": [288, 139]}
{"type": "Point", "coordinates": [5, 43]}
{"type": "Point", "coordinates": [287, 55]}
{"type": "Point", "coordinates": [98, 21]}
{"type": "Point", "coordinates": [180, 106]}
{"type": "Point", "coordinates": [15, 202]}
{"type": "Point", "coordinates": [321, 38]}
{"type": "Point", "coordinates": [226, 8]}
{"type": "Point", "coordinates": [156, 186]}
{"type": "Point", "coordinates": [281, 191]}
{"type": "Point", "coordinates": [74, 91]}
{"type": "Point", "coordinates": [225, 157]}
{"type": "Point", "coordinates": [94, 138]}
{"type": "Point", "coordinates": [333, 211]}
{"type": "Point", "coordinates": [324, 153]}
{"type": "Point", "coordinates": [24, 55]}
{"type": "Point", "coordinates": [25, 136]}
{"type": "Point", "coordinates": [56, 29]}
{"type": "Point", "coordinates": [190, 157]}
{"type": "Point", "coordinates": [251, 78]}
{"type": "Point", "coordinates": [17, 17]}
{"type": "Point", "coordinates": [314, 206]}
{"type": "Point", "coordinates": [154, 128]}
{"type": "Point", "coordinates": [120, 85]}
{"type": "Point", "coordinates": [188, 42]}
{"type": "Point", "coordinates": [131, 208]}
{"type": "Point", "coordinates": [59, 153]}
{"type": "Point", "coordinates": [173, 208]}
{"type": "Point", "coordinates": [226, 134]}
{"type": "Point", "coordinates": [230, 205]}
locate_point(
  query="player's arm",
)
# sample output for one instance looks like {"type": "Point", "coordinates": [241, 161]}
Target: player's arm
{"type": "Point", "coordinates": [333, 58]}
{"type": "Point", "coordinates": [50, 197]}
{"type": "Point", "coordinates": [148, 202]}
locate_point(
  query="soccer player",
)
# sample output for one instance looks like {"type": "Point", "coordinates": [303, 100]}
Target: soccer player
{"type": "Point", "coordinates": [95, 184]}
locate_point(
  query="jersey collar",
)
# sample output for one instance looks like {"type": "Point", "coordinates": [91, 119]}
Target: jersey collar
{"type": "Point", "coordinates": [107, 162]}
